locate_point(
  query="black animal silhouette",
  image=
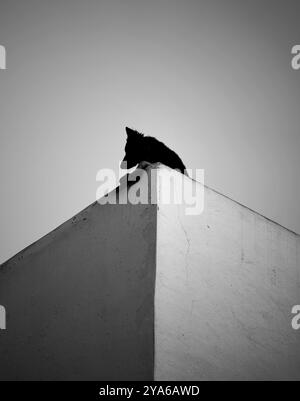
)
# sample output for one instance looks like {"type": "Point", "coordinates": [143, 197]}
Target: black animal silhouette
{"type": "Point", "coordinates": [140, 148]}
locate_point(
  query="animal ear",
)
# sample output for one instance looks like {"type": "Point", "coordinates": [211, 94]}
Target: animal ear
{"type": "Point", "coordinates": [130, 132]}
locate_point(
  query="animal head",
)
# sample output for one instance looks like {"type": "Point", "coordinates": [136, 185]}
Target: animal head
{"type": "Point", "coordinates": [133, 148]}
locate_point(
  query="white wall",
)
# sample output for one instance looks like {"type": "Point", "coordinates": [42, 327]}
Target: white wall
{"type": "Point", "coordinates": [226, 281]}
{"type": "Point", "coordinates": [80, 302]}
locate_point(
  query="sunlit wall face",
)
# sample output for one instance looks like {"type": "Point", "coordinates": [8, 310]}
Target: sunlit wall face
{"type": "Point", "coordinates": [212, 79]}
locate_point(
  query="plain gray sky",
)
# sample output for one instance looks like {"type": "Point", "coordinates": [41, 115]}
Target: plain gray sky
{"type": "Point", "coordinates": [212, 79]}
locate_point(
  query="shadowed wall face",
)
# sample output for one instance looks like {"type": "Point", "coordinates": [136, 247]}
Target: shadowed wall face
{"type": "Point", "coordinates": [80, 302]}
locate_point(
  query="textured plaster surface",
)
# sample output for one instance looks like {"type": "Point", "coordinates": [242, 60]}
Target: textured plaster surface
{"type": "Point", "coordinates": [226, 282]}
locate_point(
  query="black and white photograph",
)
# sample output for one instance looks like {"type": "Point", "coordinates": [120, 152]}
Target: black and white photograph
{"type": "Point", "coordinates": [150, 194]}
